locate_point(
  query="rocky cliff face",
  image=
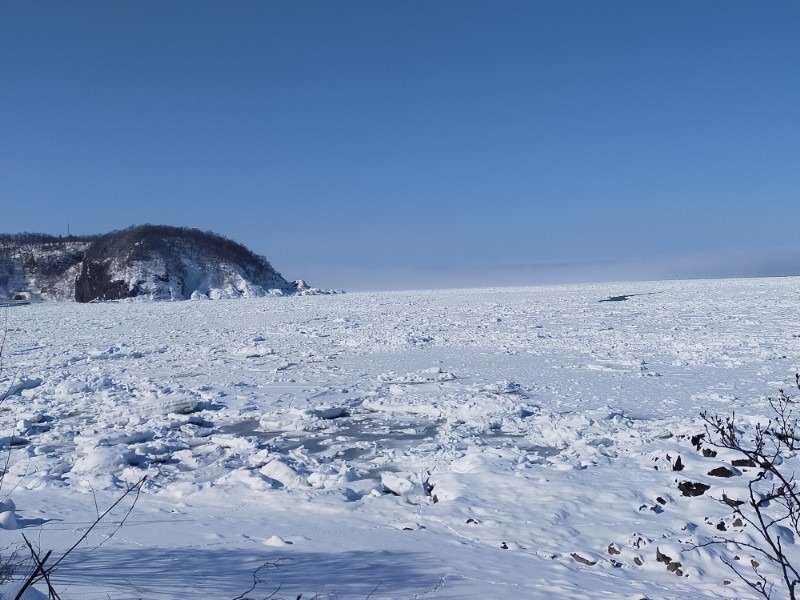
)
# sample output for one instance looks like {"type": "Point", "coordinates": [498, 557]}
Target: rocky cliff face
{"type": "Point", "coordinates": [148, 261]}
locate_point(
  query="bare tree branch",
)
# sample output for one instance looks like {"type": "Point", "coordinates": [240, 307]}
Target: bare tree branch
{"type": "Point", "coordinates": [766, 511]}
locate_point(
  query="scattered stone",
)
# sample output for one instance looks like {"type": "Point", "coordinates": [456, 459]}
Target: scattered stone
{"type": "Point", "coordinates": [612, 549]}
{"type": "Point", "coordinates": [726, 582]}
{"type": "Point", "coordinates": [731, 502]}
{"type": "Point", "coordinates": [721, 472]}
{"type": "Point", "coordinates": [471, 521]}
{"type": "Point", "coordinates": [721, 526]}
{"type": "Point", "coordinates": [674, 567]}
{"type": "Point", "coordinates": [512, 546]}
{"type": "Point", "coordinates": [691, 489]}
{"type": "Point", "coordinates": [743, 462]}
{"type": "Point", "coordinates": [661, 501]}
{"type": "Point", "coordinates": [678, 466]}
{"type": "Point", "coordinates": [754, 563]}
{"type": "Point", "coordinates": [696, 439]}
{"type": "Point", "coordinates": [709, 453]}
{"type": "Point", "coordinates": [638, 561]}
{"type": "Point", "coordinates": [580, 559]}
{"type": "Point", "coordinates": [737, 522]}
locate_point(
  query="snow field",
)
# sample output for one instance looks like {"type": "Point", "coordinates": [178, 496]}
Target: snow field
{"type": "Point", "coordinates": [511, 443]}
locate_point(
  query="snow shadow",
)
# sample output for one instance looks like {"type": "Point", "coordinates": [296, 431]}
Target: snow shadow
{"type": "Point", "coordinates": [179, 573]}
{"type": "Point", "coordinates": [38, 522]}
{"type": "Point", "coordinates": [625, 297]}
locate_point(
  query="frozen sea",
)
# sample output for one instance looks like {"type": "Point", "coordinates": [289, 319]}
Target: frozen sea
{"type": "Point", "coordinates": [492, 443]}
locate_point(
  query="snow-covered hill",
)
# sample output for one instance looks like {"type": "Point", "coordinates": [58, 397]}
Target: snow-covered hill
{"type": "Point", "coordinates": [148, 261]}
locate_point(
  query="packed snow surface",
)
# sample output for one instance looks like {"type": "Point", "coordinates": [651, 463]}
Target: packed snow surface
{"type": "Point", "coordinates": [501, 443]}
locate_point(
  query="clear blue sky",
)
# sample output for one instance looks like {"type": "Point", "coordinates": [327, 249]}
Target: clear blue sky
{"type": "Point", "coordinates": [375, 145]}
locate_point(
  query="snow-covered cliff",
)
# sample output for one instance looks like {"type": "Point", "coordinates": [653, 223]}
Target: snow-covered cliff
{"type": "Point", "coordinates": [148, 261]}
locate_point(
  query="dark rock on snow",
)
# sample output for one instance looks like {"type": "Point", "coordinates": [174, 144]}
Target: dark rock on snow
{"type": "Point", "coordinates": [690, 489]}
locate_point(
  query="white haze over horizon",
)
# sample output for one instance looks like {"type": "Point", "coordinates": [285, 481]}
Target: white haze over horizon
{"type": "Point", "coordinates": [713, 265]}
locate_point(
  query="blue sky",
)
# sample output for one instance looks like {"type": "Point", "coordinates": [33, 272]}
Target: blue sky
{"type": "Point", "coordinates": [378, 145]}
